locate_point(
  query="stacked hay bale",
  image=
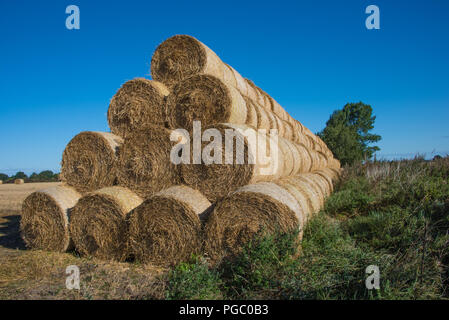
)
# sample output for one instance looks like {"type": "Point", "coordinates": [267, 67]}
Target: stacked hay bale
{"type": "Point", "coordinates": [131, 194]}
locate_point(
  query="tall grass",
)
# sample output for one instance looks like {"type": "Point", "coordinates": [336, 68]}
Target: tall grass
{"type": "Point", "coordinates": [391, 214]}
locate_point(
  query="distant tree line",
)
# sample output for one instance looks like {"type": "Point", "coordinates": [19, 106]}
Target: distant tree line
{"type": "Point", "coordinates": [44, 176]}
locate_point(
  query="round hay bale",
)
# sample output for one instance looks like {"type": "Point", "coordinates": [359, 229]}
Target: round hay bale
{"type": "Point", "coordinates": [98, 223]}
{"type": "Point", "coordinates": [329, 176]}
{"type": "Point", "coordinates": [300, 194]}
{"type": "Point", "coordinates": [263, 207]}
{"type": "Point", "coordinates": [1, 181]}
{"type": "Point", "coordinates": [166, 228]}
{"type": "Point", "coordinates": [45, 218]}
{"type": "Point", "coordinates": [19, 181]}
{"type": "Point", "coordinates": [138, 103]}
{"type": "Point", "coordinates": [310, 190]}
{"type": "Point", "coordinates": [315, 190]}
{"type": "Point", "coordinates": [144, 162]}
{"type": "Point", "coordinates": [322, 184]}
{"type": "Point", "coordinates": [89, 161]}
{"type": "Point", "coordinates": [216, 180]}
{"type": "Point", "coordinates": [207, 99]}
{"type": "Point", "coordinates": [305, 158]}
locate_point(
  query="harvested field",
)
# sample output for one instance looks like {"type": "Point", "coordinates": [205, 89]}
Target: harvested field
{"type": "Point", "coordinates": [37, 274]}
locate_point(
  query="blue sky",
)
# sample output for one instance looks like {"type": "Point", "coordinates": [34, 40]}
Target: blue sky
{"type": "Point", "coordinates": [311, 56]}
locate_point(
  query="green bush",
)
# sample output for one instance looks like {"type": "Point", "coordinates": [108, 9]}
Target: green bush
{"type": "Point", "coordinates": [394, 215]}
{"type": "Point", "coordinates": [192, 281]}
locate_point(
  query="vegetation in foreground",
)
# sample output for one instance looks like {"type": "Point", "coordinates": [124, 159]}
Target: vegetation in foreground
{"type": "Point", "coordinates": [391, 214]}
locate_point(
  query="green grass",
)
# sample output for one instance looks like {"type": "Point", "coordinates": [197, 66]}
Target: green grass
{"type": "Point", "coordinates": [391, 214]}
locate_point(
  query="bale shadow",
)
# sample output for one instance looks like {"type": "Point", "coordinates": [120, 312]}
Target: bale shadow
{"type": "Point", "coordinates": [10, 233]}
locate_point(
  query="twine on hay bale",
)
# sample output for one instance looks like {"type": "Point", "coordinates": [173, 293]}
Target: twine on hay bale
{"type": "Point", "coordinates": [138, 103]}
{"type": "Point", "coordinates": [166, 228]}
{"type": "Point", "coordinates": [45, 219]}
{"type": "Point", "coordinates": [19, 181]}
{"type": "Point", "coordinates": [263, 207]}
{"type": "Point", "coordinates": [98, 223]}
{"type": "Point", "coordinates": [89, 161]}
{"type": "Point", "coordinates": [144, 162]}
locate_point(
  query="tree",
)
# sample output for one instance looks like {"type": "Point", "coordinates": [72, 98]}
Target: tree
{"type": "Point", "coordinates": [47, 175]}
{"type": "Point", "coordinates": [3, 177]}
{"type": "Point", "coordinates": [20, 175]}
{"type": "Point", "coordinates": [347, 133]}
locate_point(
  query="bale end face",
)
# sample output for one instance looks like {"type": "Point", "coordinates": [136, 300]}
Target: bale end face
{"type": "Point", "coordinates": [45, 218]}
{"type": "Point", "coordinates": [98, 223]}
{"type": "Point", "coordinates": [178, 58]}
{"type": "Point", "coordinates": [89, 161]}
{"type": "Point", "coordinates": [166, 228]}
{"type": "Point", "coordinates": [138, 103]}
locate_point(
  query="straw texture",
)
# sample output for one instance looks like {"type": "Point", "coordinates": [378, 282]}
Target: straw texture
{"type": "Point", "coordinates": [138, 103]}
{"type": "Point", "coordinates": [166, 228]}
{"type": "Point", "coordinates": [89, 161]}
{"type": "Point", "coordinates": [98, 223]}
{"type": "Point", "coordinates": [45, 218]}
{"type": "Point", "coordinates": [144, 162]}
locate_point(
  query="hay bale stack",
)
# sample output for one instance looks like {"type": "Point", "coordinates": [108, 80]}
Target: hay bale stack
{"type": "Point", "coordinates": [19, 181]}
{"type": "Point", "coordinates": [144, 162]}
{"type": "Point", "coordinates": [138, 103]}
{"type": "Point", "coordinates": [89, 161]}
{"type": "Point", "coordinates": [166, 229]}
{"type": "Point", "coordinates": [98, 223]}
{"type": "Point", "coordinates": [263, 207]}
{"type": "Point", "coordinates": [283, 158]}
{"type": "Point", "coordinates": [45, 218]}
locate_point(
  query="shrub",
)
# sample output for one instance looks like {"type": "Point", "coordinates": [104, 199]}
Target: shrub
{"type": "Point", "coordinates": [192, 281]}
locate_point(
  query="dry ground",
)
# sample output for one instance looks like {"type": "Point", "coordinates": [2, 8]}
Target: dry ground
{"type": "Point", "coordinates": [34, 274]}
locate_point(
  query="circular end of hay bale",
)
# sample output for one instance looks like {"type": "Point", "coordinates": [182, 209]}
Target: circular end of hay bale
{"type": "Point", "coordinates": [178, 58]}
{"type": "Point", "coordinates": [89, 161]}
{"type": "Point", "coordinates": [250, 211]}
{"type": "Point", "coordinates": [202, 97]}
{"type": "Point", "coordinates": [144, 162]}
{"type": "Point", "coordinates": [98, 223]}
{"type": "Point", "coordinates": [44, 221]}
{"type": "Point", "coordinates": [216, 179]}
{"type": "Point", "coordinates": [19, 181]}
{"type": "Point", "coordinates": [136, 104]}
{"type": "Point", "coordinates": [166, 228]}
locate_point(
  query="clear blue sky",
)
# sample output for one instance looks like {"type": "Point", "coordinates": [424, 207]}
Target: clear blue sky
{"type": "Point", "coordinates": [311, 56]}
